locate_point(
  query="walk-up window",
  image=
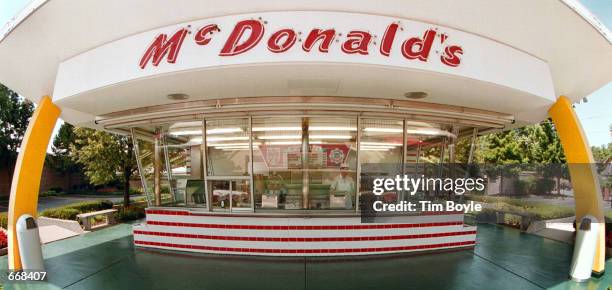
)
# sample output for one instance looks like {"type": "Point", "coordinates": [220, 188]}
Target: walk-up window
{"type": "Point", "coordinates": [310, 162]}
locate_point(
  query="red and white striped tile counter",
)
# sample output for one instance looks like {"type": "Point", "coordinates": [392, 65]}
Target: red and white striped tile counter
{"type": "Point", "coordinates": [300, 235]}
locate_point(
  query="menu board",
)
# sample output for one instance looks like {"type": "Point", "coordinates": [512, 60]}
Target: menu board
{"type": "Point", "coordinates": [290, 156]}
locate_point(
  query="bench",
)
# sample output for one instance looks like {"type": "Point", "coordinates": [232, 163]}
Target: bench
{"type": "Point", "coordinates": [86, 222]}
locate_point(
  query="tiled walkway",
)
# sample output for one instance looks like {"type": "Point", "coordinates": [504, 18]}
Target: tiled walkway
{"type": "Point", "coordinates": [503, 259]}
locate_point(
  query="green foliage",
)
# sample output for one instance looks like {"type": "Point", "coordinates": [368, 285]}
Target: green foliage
{"type": "Point", "coordinates": [538, 144]}
{"type": "Point", "coordinates": [515, 206]}
{"type": "Point", "coordinates": [56, 189]}
{"type": "Point", "coordinates": [462, 151]}
{"type": "Point", "coordinates": [105, 157]}
{"type": "Point", "coordinates": [15, 113]}
{"type": "Point", "coordinates": [522, 186]}
{"type": "Point", "coordinates": [50, 193]}
{"type": "Point", "coordinates": [545, 145]}
{"type": "Point", "coordinates": [603, 158]}
{"type": "Point", "coordinates": [69, 212]}
{"type": "Point", "coordinates": [61, 213]}
{"type": "Point", "coordinates": [60, 160]}
{"type": "Point", "coordinates": [603, 153]}
{"type": "Point", "coordinates": [544, 185]}
{"type": "Point", "coordinates": [130, 213]}
{"type": "Point", "coordinates": [3, 220]}
{"type": "Point", "coordinates": [89, 206]}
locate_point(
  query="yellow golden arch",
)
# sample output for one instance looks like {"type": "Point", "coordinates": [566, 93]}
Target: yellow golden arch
{"type": "Point", "coordinates": [28, 170]}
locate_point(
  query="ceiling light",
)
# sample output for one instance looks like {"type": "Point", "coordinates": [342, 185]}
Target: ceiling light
{"type": "Point", "coordinates": [178, 96]}
{"type": "Point", "coordinates": [330, 137]}
{"type": "Point", "coordinates": [278, 137]}
{"type": "Point", "coordinates": [374, 149]}
{"type": "Point", "coordinates": [231, 147]}
{"type": "Point", "coordinates": [331, 128]}
{"type": "Point", "coordinates": [380, 144]}
{"type": "Point", "coordinates": [231, 144]}
{"type": "Point", "coordinates": [186, 132]}
{"type": "Point", "coordinates": [377, 147]}
{"type": "Point", "coordinates": [415, 95]}
{"type": "Point", "coordinates": [233, 138]}
{"type": "Point", "coordinates": [223, 130]}
{"type": "Point", "coordinates": [264, 129]}
{"type": "Point", "coordinates": [284, 143]}
{"type": "Point", "coordinates": [383, 130]}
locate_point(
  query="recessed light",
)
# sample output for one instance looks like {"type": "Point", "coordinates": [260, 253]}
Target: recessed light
{"type": "Point", "coordinates": [177, 97]}
{"type": "Point", "coordinates": [415, 95]}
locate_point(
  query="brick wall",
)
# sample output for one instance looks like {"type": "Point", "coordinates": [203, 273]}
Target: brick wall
{"type": "Point", "coordinates": [49, 179]}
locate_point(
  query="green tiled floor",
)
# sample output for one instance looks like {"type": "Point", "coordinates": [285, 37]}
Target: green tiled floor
{"type": "Point", "coordinates": [503, 259]}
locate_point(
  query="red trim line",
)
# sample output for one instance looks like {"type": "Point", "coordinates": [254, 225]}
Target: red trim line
{"type": "Point", "coordinates": [321, 239]}
{"type": "Point", "coordinates": [262, 215]}
{"type": "Point", "coordinates": [306, 251]}
{"type": "Point", "coordinates": [338, 227]}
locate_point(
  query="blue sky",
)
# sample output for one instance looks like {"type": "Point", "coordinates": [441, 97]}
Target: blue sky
{"type": "Point", "coordinates": [596, 114]}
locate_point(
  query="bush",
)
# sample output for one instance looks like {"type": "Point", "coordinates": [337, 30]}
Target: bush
{"type": "Point", "coordinates": [69, 212]}
{"type": "Point", "coordinates": [521, 187]}
{"type": "Point", "coordinates": [534, 210]}
{"type": "Point", "coordinates": [544, 186]}
{"type": "Point", "coordinates": [3, 220]}
{"type": "Point", "coordinates": [62, 213]}
{"type": "Point", "coordinates": [56, 189]}
{"type": "Point", "coordinates": [135, 191]}
{"type": "Point", "coordinates": [48, 193]}
{"type": "Point", "coordinates": [130, 213]}
{"type": "Point", "coordinates": [89, 206]}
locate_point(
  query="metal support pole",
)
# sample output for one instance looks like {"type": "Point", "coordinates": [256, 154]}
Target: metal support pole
{"type": "Point", "coordinates": [473, 145]}
{"type": "Point", "coordinates": [143, 179]}
{"type": "Point", "coordinates": [205, 165]}
{"type": "Point", "coordinates": [404, 147]}
{"type": "Point", "coordinates": [168, 167]}
{"type": "Point", "coordinates": [157, 168]}
{"type": "Point", "coordinates": [404, 154]}
{"type": "Point", "coordinates": [252, 186]}
{"type": "Point", "coordinates": [358, 169]}
{"type": "Point", "coordinates": [305, 165]}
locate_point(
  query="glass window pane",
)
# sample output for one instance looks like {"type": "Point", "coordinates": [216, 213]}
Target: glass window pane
{"type": "Point", "coordinates": [241, 195]}
{"type": "Point", "coordinates": [381, 146]}
{"type": "Point", "coordinates": [220, 190]}
{"type": "Point", "coordinates": [332, 162]}
{"type": "Point", "coordinates": [427, 143]}
{"type": "Point", "coordinates": [182, 145]}
{"type": "Point", "coordinates": [277, 166]}
{"type": "Point", "coordinates": [145, 158]}
{"type": "Point", "coordinates": [228, 147]}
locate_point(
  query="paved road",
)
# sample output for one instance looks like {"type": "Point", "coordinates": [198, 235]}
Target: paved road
{"type": "Point", "coordinates": [57, 201]}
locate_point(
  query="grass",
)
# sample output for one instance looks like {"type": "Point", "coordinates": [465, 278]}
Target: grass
{"type": "Point", "coordinates": [532, 209]}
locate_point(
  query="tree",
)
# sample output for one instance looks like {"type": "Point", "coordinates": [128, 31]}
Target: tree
{"type": "Point", "coordinates": [547, 154]}
{"type": "Point", "coordinates": [15, 113]}
{"type": "Point", "coordinates": [503, 149]}
{"type": "Point", "coordinates": [105, 157]}
{"type": "Point", "coordinates": [546, 146]}
{"type": "Point", "coordinates": [61, 158]}
{"type": "Point", "coordinates": [603, 153]}
{"type": "Point", "coordinates": [534, 147]}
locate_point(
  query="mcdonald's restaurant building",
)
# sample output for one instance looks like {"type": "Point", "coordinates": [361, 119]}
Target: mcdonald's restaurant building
{"type": "Point", "coordinates": [258, 125]}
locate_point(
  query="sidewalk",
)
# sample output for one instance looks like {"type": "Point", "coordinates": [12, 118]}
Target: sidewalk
{"type": "Point", "coordinates": [504, 258]}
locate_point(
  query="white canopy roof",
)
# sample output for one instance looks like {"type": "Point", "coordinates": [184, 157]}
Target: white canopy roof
{"type": "Point", "coordinates": [560, 33]}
